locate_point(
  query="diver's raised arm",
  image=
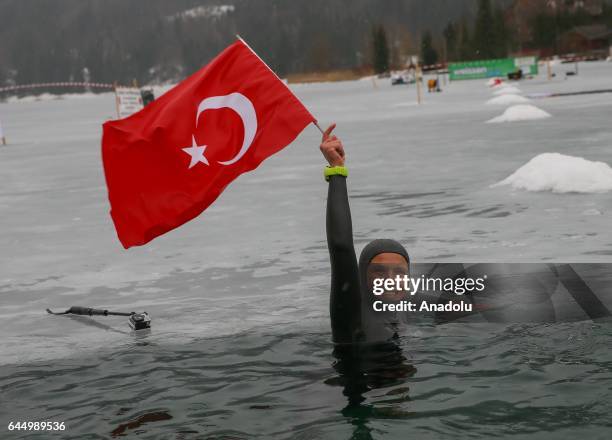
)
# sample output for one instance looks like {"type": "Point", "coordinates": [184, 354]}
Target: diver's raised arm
{"type": "Point", "coordinates": [345, 299]}
{"type": "Point", "coordinates": [339, 224]}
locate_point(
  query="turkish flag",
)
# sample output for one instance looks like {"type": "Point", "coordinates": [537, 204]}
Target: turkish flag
{"type": "Point", "coordinates": [167, 163]}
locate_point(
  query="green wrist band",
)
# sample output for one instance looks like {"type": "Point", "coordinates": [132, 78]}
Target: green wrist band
{"type": "Point", "coordinates": [335, 171]}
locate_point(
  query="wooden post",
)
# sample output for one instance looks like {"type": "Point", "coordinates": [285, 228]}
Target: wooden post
{"type": "Point", "coordinates": [116, 98]}
{"type": "Point", "coordinates": [419, 77]}
{"type": "Point", "coordinates": [549, 68]}
{"type": "Point", "coordinates": [2, 138]}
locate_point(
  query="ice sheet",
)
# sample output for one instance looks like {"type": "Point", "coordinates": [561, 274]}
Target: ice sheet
{"type": "Point", "coordinates": [508, 100]}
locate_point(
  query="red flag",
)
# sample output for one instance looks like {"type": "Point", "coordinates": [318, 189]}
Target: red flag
{"type": "Point", "coordinates": [167, 163]}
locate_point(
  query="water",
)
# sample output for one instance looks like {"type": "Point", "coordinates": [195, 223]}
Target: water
{"type": "Point", "coordinates": [240, 341]}
{"type": "Point", "coordinates": [456, 382]}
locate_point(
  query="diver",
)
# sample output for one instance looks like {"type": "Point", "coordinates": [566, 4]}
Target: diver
{"type": "Point", "coordinates": [514, 293]}
{"type": "Point", "coordinates": [353, 320]}
{"type": "Point", "coordinates": [367, 347]}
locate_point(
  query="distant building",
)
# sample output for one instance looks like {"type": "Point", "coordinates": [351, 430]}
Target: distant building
{"type": "Point", "coordinates": [587, 40]}
{"type": "Point", "coordinates": [592, 7]}
{"type": "Point", "coordinates": [521, 14]}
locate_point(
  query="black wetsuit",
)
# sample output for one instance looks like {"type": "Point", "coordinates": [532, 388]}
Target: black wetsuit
{"type": "Point", "coordinates": [345, 298]}
{"type": "Point", "coordinates": [365, 358]}
{"type": "Point", "coordinates": [351, 313]}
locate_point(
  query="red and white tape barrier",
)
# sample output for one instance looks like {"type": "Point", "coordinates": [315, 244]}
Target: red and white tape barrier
{"type": "Point", "coordinates": [57, 84]}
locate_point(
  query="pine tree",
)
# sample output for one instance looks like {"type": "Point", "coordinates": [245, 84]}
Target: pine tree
{"type": "Point", "coordinates": [501, 37]}
{"type": "Point", "coordinates": [450, 40]}
{"type": "Point", "coordinates": [484, 32]}
{"type": "Point", "coordinates": [465, 47]}
{"type": "Point", "coordinates": [380, 51]}
{"type": "Point", "coordinates": [429, 55]}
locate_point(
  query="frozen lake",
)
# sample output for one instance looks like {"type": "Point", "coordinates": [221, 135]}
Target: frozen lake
{"type": "Point", "coordinates": [258, 257]}
{"type": "Point", "coordinates": [240, 343]}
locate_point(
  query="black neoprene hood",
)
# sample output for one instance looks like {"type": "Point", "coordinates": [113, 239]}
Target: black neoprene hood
{"type": "Point", "coordinates": [375, 248]}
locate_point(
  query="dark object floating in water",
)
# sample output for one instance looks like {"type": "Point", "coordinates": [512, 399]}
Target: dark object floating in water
{"type": "Point", "coordinates": [157, 416]}
{"type": "Point", "coordinates": [137, 321]}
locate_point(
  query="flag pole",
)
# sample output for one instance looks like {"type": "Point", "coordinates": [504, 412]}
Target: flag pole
{"type": "Point", "coordinates": [265, 64]}
{"type": "Point", "coordinates": [320, 129]}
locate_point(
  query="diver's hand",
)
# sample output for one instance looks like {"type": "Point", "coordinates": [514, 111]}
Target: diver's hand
{"type": "Point", "coordinates": [332, 148]}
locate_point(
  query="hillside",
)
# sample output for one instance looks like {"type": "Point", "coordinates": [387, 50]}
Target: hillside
{"type": "Point", "coordinates": [158, 40]}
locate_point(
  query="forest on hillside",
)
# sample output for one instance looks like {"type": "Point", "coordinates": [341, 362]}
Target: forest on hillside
{"type": "Point", "coordinates": [154, 41]}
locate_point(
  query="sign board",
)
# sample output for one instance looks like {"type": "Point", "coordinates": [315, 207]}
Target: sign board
{"type": "Point", "coordinates": [128, 100]}
{"type": "Point", "coordinates": [529, 65]}
{"type": "Point", "coordinates": [492, 68]}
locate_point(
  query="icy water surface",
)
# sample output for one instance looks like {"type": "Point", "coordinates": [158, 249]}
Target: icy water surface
{"type": "Point", "coordinates": [448, 382]}
{"type": "Point", "coordinates": [240, 340]}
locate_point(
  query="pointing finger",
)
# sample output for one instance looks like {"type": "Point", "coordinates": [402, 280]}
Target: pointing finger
{"type": "Point", "coordinates": [328, 131]}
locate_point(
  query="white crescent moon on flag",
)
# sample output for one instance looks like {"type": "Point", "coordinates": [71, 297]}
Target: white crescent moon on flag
{"type": "Point", "coordinates": [241, 105]}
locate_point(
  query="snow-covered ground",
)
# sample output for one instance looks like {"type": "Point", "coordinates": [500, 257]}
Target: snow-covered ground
{"type": "Point", "coordinates": [424, 175]}
{"type": "Point", "coordinates": [507, 90]}
{"type": "Point", "coordinates": [509, 99]}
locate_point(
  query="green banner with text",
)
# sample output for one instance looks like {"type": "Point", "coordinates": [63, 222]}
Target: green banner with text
{"type": "Point", "coordinates": [492, 68]}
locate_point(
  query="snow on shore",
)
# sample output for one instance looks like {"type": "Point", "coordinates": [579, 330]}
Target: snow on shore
{"type": "Point", "coordinates": [560, 173]}
{"type": "Point", "coordinates": [522, 112]}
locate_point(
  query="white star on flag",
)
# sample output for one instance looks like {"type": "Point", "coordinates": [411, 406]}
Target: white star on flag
{"type": "Point", "coordinates": [196, 152]}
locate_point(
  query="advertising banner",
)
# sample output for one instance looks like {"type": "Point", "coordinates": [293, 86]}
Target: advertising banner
{"type": "Point", "coordinates": [492, 68]}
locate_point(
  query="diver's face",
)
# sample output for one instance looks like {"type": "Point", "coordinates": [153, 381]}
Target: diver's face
{"type": "Point", "coordinates": [388, 265]}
